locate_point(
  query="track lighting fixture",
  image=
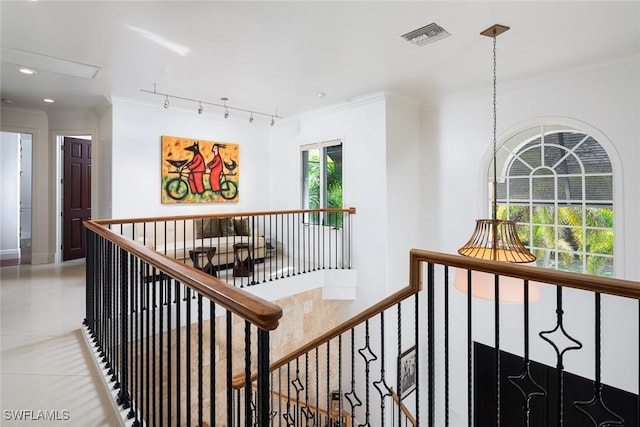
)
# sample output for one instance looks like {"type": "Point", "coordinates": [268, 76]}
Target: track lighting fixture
{"type": "Point", "coordinates": [200, 109]}
{"type": "Point", "coordinates": [226, 110]}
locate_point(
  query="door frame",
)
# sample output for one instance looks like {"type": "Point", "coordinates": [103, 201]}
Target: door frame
{"type": "Point", "coordinates": [58, 136]}
{"type": "Point", "coordinates": [34, 135]}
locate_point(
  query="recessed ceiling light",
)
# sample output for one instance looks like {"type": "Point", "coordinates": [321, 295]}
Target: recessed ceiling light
{"type": "Point", "coordinates": [49, 100]}
{"type": "Point", "coordinates": [25, 70]}
{"type": "Point", "coordinates": [321, 94]}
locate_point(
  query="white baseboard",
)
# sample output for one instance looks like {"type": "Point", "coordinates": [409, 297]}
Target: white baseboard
{"type": "Point", "coordinates": [6, 254]}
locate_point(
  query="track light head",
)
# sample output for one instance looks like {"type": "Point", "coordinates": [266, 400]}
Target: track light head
{"type": "Point", "coordinates": [200, 105]}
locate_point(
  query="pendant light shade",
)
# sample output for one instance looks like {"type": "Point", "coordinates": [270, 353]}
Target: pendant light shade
{"type": "Point", "coordinates": [496, 240]}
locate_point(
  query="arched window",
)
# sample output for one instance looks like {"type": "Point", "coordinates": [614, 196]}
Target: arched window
{"type": "Point", "coordinates": [556, 183]}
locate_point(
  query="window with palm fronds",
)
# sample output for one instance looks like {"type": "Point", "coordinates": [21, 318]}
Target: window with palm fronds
{"type": "Point", "coordinates": [557, 185]}
{"type": "Point", "coordinates": [322, 181]}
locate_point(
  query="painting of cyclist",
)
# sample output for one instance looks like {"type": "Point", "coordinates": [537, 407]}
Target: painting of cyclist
{"type": "Point", "coordinates": [215, 165]}
{"type": "Point", "coordinates": [196, 169]}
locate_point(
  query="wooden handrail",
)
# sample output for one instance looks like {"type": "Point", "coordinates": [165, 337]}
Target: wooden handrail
{"type": "Point", "coordinates": [350, 211]}
{"type": "Point", "coordinates": [261, 313]}
{"type": "Point", "coordinates": [403, 408]}
{"type": "Point", "coordinates": [604, 285]}
{"type": "Point", "coordinates": [586, 282]}
{"type": "Point", "coordinates": [374, 310]}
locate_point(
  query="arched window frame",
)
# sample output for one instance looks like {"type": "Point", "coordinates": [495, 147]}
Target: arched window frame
{"type": "Point", "coordinates": [533, 127]}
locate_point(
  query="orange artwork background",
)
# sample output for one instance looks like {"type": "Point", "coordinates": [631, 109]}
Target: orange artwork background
{"type": "Point", "coordinates": [187, 168]}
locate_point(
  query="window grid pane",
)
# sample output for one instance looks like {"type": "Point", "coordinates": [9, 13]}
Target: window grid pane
{"type": "Point", "coordinates": [559, 191]}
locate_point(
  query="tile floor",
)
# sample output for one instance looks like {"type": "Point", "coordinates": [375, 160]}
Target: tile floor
{"type": "Point", "coordinates": [45, 364]}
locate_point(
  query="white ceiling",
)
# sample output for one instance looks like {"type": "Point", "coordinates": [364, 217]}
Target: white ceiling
{"type": "Point", "coordinates": [279, 55]}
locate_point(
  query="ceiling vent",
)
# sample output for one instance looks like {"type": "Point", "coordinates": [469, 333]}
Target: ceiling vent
{"type": "Point", "coordinates": [427, 34]}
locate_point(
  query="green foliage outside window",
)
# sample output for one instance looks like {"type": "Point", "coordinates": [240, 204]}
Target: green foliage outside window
{"type": "Point", "coordinates": [333, 192]}
{"type": "Point", "coordinates": [581, 244]}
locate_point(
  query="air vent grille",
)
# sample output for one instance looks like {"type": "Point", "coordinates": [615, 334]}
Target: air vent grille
{"type": "Point", "coordinates": [427, 34]}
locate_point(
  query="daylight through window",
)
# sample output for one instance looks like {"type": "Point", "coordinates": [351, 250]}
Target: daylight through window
{"type": "Point", "coordinates": [322, 181]}
{"type": "Point", "coordinates": [557, 185]}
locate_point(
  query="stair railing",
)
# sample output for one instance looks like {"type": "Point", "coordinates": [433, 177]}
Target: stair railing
{"type": "Point", "coordinates": [170, 337]}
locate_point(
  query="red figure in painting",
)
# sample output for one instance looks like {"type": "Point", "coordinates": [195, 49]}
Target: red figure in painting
{"type": "Point", "coordinates": [216, 168]}
{"type": "Point", "coordinates": [196, 168]}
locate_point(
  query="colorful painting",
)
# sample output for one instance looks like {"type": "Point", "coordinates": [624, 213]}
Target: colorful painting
{"type": "Point", "coordinates": [198, 171]}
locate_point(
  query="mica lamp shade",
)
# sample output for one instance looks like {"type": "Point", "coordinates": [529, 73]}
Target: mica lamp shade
{"type": "Point", "coordinates": [496, 240]}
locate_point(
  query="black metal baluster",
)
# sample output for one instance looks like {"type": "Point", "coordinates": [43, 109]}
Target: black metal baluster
{"type": "Point", "coordinates": [496, 306]}
{"type": "Point", "coordinates": [200, 367]}
{"type": "Point", "coordinates": [340, 405]}
{"type": "Point", "coordinates": [161, 280]}
{"type": "Point", "coordinates": [469, 353]}
{"type": "Point", "coordinates": [398, 371]}
{"type": "Point", "coordinates": [169, 347]}
{"type": "Point", "coordinates": [212, 364]}
{"type": "Point", "coordinates": [247, 374]}
{"type": "Point", "coordinates": [321, 236]}
{"type": "Point", "coordinates": [446, 346]}
{"type": "Point", "coordinates": [123, 397]}
{"type": "Point", "coordinates": [115, 332]}
{"type": "Point", "coordinates": [352, 397]}
{"type": "Point", "coordinates": [229, 381]}
{"type": "Point", "coordinates": [595, 409]}
{"type": "Point", "coordinates": [300, 227]}
{"type": "Point", "coordinates": [264, 388]}
{"type": "Point", "coordinates": [369, 356]}
{"type": "Point", "coordinates": [277, 236]}
{"type": "Point", "coordinates": [317, 403]}
{"type": "Point", "coordinates": [306, 389]}
{"type": "Point", "coordinates": [131, 340]}
{"type": "Point", "coordinates": [285, 243]}
{"type": "Point", "coordinates": [147, 339]}
{"type": "Point", "coordinates": [178, 394]}
{"type": "Point", "coordinates": [381, 384]}
{"type": "Point", "coordinates": [187, 370]}
{"type": "Point", "coordinates": [153, 343]}
{"type": "Point", "coordinates": [328, 391]}
{"type": "Point", "coordinates": [524, 382]}
{"type": "Point", "coordinates": [281, 415]}
{"type": "Point", "coordinates": [547, 336]}
{"type": "Point", "coordinates": [137, 389]}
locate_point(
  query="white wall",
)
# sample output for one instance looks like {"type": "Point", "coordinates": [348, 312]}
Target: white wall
{"type": "Point", "coordinates": [362, 128]}
{"type": "Point", "coordinates": [136, 163]}
{"type": "Point", "coordinates": [9, 216]}
{"type": "Point", "coordinates": [26, 186]}
{"type": "Point", "coordinates": [456, 148]}
{"type": "Point", "coordinates": [403, 188]}
{"type": "Point", "coordinates": [43, 203]}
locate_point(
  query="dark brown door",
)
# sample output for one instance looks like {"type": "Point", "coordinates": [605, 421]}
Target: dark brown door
{"type": "Point", "coordinates": [76, 197]}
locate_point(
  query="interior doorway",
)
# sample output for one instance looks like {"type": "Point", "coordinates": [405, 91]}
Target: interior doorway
{"type": "Point", "coordinates": [76, 195]}
{"type": "Point", "coordinates": [15, 204]}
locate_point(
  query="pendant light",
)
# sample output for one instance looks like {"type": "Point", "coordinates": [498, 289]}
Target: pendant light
{"type": "Point", "coordinates": [495, 239]}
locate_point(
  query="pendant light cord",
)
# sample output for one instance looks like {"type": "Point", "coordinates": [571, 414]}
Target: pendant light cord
{"type": "Point", "coordinates": [495, 167]}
